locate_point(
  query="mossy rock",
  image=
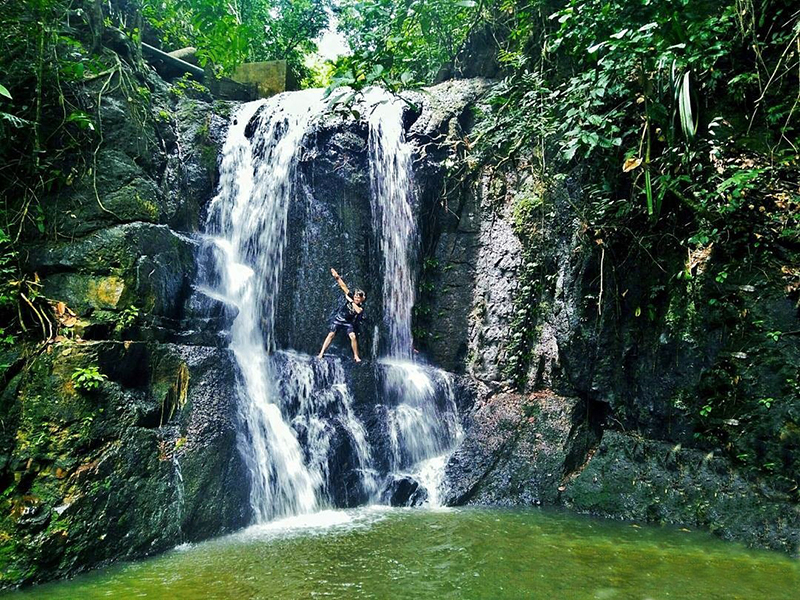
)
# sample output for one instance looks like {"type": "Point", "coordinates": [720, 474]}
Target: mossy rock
{"type": "Point", "coordinates": [642, 480]}
{"type": "Point", "coordinates": [94, 474]}
{"type": "Point", "coordinates": [139, 264]}
{"type": "Point", "coordinates": [84, 293]}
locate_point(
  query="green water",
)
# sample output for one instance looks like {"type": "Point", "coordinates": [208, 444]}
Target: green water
{"type": "Point", "coordinates": [465, 553]}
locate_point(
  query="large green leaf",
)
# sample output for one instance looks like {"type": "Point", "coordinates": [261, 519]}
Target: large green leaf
{"type": "Point", "coordinates": [685, 107]}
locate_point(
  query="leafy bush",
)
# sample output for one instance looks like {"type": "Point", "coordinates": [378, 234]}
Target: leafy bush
{"type": "Point", "coordinates": [127, 318]}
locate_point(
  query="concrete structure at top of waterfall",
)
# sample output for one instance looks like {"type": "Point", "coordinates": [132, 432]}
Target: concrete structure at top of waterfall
{"type": "Point", "coordinates": [269, 78]}
{"type": "Point", "coordinates": [347, 318]}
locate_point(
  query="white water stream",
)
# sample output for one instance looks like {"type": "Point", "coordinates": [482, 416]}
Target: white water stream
{"type": "Point", "coordinates": [395, 228]}
{"type": "Point", "coordinates": [248, 221]}
{"type": "Point", "coordinates": [422, 431]}
{"type": "Point", "coordinates": [293, 406]}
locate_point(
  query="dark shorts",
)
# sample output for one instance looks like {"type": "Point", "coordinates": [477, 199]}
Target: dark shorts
{"type": "Point", "coordinates": [339, 325]}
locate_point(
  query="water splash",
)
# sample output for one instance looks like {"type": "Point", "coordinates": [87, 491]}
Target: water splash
{"type": "Point", "coordinates": [424, 424]}
{"type": "Point", "coordinates": [316, 394]}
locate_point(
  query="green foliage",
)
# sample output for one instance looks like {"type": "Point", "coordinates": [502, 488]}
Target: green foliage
{"type": "Point", "coordinates": [651, 96]}
{"type": "Point", "coordinates": [127, 318]}
{"type": "Point", "coordinates": [8, 271]}
{"type": "Point", "coordinates": [228, 34]}
{"type": "Point", "coordinates": [526, 210]}
{"type": "Point", "coordinates": [527, 216]}
{"type": "Point", "coordinates": [87, 378]}
{"type": "Point", "coordinates": [401, 44]}
{"type": "Point", "coordinates": [44, 126]}
{"type": "Point", "coordinates": [186, 86]}
{"type": "Point", "coordinates": [34, 47]}
{"type": "Point", "coordinates": [216, 31]}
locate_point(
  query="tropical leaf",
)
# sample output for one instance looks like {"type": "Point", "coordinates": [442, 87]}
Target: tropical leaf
{"type": "Point", "coordinates": [631, 163]}
{"type": "Point", "coordinates": [81, 119]}
{"type": "Point", "coordinates": [685, 107]}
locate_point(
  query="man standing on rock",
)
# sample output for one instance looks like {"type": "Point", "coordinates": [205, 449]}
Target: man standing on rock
{"type": "Point", "coordinates": [348, 317]}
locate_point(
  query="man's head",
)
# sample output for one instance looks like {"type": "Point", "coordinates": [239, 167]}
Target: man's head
{"type": "Point", "coordinates": [359, 297]}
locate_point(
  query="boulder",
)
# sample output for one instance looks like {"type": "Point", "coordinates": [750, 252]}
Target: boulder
{"type": "Point", "coordinates": [140, 460]}
{"type": "Point", "coordinates": [404, 491]}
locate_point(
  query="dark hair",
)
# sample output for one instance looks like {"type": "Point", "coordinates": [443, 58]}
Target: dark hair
{"type": "Point", "coordinates": [359, 293]}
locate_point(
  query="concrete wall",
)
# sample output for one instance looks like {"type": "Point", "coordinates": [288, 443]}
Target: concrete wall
{"type": "Point", "coordinates": [268, 77]}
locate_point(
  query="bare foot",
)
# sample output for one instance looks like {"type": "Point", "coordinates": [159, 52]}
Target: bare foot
{"type": "Point", "coordinates": [357, 359]}
{"type": "Point", "coordinates": [319, 355]}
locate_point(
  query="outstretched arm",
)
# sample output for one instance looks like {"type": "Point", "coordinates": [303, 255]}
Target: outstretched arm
{"type": "Point", "coordinates": [346, 290]}
{"type": "Point", "coordinates": [341, 283]}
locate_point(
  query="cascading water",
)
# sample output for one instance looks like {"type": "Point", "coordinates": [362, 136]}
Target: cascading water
{"type": "Point", "coordinates": [422, 430]}
{"type": "Point", "coordinates": [393, 216]}
{"type": "Point", "coordinates": [424, 425]}
{"type": "Point", "coordinates": [247, 222]}
{"type": "Point", "coordinates": [316, 393]}
{"type": "Point", "coordinates": [301, 439]}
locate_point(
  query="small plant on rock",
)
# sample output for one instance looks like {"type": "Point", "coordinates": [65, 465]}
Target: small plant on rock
{"type": "Point", "coordinates": [87, 378]}
{"type": "Point", "coordinates": [127, 318]}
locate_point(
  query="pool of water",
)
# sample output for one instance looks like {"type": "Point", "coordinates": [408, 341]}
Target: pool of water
{"type": "Point", "coordinates": [452, 553]}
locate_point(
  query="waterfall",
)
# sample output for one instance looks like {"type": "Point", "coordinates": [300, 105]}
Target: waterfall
{"type": "Point", "coordinates": [421, 430]}
{"type": "Point", "coordinates": [424, 425]}
{"type": "Point", "coordinates": [393, 216]}
{"type": "Point", "coordinates": [247, 225]}
{"type": "Point", "coordinates": [301, 436]}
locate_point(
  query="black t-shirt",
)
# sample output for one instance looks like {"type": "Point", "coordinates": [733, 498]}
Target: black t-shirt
{"type": "Point", "coordinates": [348, 314]}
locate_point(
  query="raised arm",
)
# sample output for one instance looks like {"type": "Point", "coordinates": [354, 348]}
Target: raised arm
{"type": "Point", "coordinates": [346, 291]}
{"type": "Point", "coordinates": [341, 283]}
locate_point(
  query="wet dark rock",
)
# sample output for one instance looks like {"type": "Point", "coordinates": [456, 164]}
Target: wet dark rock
{"type": "Point", "coordinates": [191, 175]}
{"type": "Point", "coordinates": [404, 491]}
{"type": "Point", "coordinates": [118, 191]}
{"type": "Point", "coordinates": [516, 451]}
{"type": "Point", "coordinates": [145, 461]}
{"type": "Point", "coordinates": [444, 107]}
{"type": "Point", "coordinates": [329, 226]}
{"type": "Point", "coordinates": [345, 484]}
{"type": "Point", "coordinates": [142, 265]}
{"type": "Point", "coordinates": [330, 222]}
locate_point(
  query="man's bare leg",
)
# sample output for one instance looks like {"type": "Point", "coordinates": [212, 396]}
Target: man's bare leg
{"type": "Point", "coordinates": [326, 343]}
{"type": "Point", "coordinates": [354, 344]}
